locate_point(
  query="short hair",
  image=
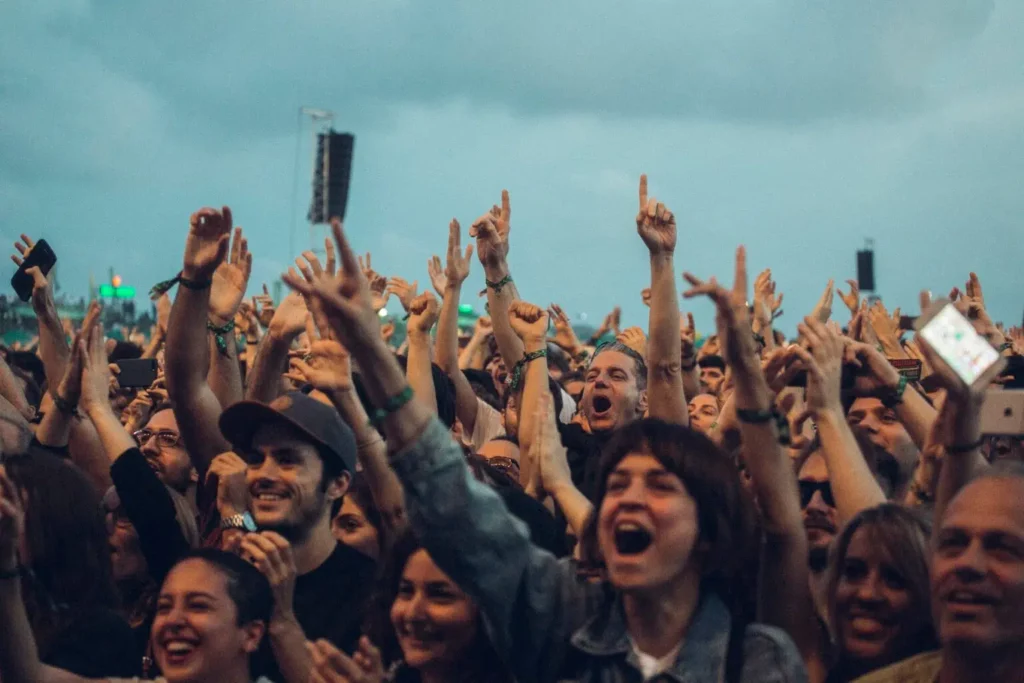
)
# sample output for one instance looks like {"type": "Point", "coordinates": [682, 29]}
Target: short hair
{"type": "Point", "coordinates": [640, 365]}
{"type": "Point", "coordinates": [725, 513]}
{"type": "Point", "coordinates": [247, 587]}
{"type": "Point", "coordinates": [553, 388]}
{"type": "Point", "coordinates": [712, 361]}
{"type": "Point", "coordinates": [483, 386]}
{"type": "Point", "coordinates": [557, 358]}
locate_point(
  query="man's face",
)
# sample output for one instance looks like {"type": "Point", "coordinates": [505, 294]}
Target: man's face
{"type": "Point", "coordinates": [511, 415]}
{"type": "Point", "coordinates": [884, 429]}
{"type": "Point", "coordinates": [286, 487]}
{"type": "Point", "coordinates": [160, 442]}
{"type": "Point", "coordinates": [195, 634]}
{"type": "Point", "coordinates": [496, 366]}
{"type": "Point", "coordinates": [819, 511]}
{"type": "Point", "coordinates": [611, 397]}
{"type": "Point", "coordinates": [703, 412]}
{"type": "Point", "coordinates": [126, 558]}
{"type": "Point", "coordinates": [711, 380]}
{"type": "Point", "coordinates": [978, 568]}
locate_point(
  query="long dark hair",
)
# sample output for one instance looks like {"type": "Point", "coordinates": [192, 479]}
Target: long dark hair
{"type": "Point", "coordinates": [725, 513]}
{"type": "Point", "coordinates": [66, 539]}
{"type": "Point", "coordinates": [483, 663]}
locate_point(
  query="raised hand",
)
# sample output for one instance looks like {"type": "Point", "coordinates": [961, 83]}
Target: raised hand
{"type": "Point", "coordinates": [423, 311]}
{"type": "Point", "coordinates": [688, 336]}
{"type": "Point", "coordinates": [529, 322]}
{"type": "Point", "coordinates": [311, 269]}
{"type": "Point", "coordinates": [824, 364]}
{"type": "Point", "coordinates": [331, 665]}
{"type": "Point", "coordinates": [207, 243]}
{"type": "Point", "coordinates": [655, 223]}
{"type": "Point", "coordinates": [852, 300]}
{"type": "Point", "coordinates": [270, 553]}
{"type": "Point", "coordinates": [483, 328]}
{"type": "Point", "coordinates": [645, 296]}
{"type": "Point", "coordinates": [565, 337]}
{"type": "Point", "coordinates": [346, 298]}
{"type": "Point", "coordinates": [634, 338]}
{"type": "Point", "coordinates": [404, 291]}
{"type": "Point", "coordinates": [327, 366]}
{"type": "Point", "coordinates": [611, 323]}
{"type": "Point", "coordinates": [887, 332]}
{"type": "Point", "coordinates": [491, 232]}
{"type": "Point", "coordinates": [290, 317]}
{"type": "Point", "coordinates": [42, 294]}
{"type": "Point", "coordinates": [766, 302]}
{"type": "Point", "coordinates": [457, 265]}
{"type": "Point", "coordinates": [96, 375]}
{"type": "Point", "coordinates": [230, 280]}
{"type": "Point", "coordinates": [735, 337]}
{"type": "Point", "coordinates": [823, 309]}
{"type": "Point", "coordinates": [437, 277]}
{"type": "Point", "coordinates": [232, 489]}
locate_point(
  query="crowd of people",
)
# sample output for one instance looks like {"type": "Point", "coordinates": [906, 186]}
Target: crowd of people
{"type": "Point", "coordinates": [294, 499]}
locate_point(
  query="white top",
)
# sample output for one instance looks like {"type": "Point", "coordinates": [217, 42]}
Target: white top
{"type": "Point", "coordinates": [490, 424]}
{"type": "Point", "coordinates": [652, 667]}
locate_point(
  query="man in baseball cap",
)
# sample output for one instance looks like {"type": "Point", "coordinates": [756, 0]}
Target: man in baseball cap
{"type": "Point", "coordinates": [300, 456]}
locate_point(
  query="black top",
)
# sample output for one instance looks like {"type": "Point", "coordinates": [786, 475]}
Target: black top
{"type": "Point", "coordinates": [583, 451]}
{"type": "Point", "coordinates": [328, 603]}
{"type": "Point", "coordinates": [96, 644]}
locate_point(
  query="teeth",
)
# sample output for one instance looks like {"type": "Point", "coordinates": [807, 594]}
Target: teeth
{"type": "Point", "coordinates": [628, 526]}
{"type": "Point", "coordinates": [269, 496]}
{"type": "Point", "coordinates": [178, 648]}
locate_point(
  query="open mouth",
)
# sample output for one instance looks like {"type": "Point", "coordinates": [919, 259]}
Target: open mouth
{"type": "Point", "coordinates": [178, 651]}
{"type": "Point", "coordinates": [602, 404]}
{"type": "Point", "coordinates": [632, 539]}
{"type": "Point", "coordinates": [268, 496]}
{"type": "Point", "coordinates": [962, 598]}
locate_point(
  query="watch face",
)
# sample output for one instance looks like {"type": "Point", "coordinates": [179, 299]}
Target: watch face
{"type": "Point", "coordinates": [248, 522]}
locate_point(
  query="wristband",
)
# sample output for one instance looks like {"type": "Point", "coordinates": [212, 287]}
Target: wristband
{"type": "Point", "coordinates": [392, 405]}
{"type": "Point", "coordinates": [64, 405]}
{"type": "Point", "coordinates": [1005, 346]}
{"type": "Point", "coordinates": [161, 288]}
{"type": "Point", "coordinates": [758, 339]}
{"type": "Point", "coordinates": [500, 284]}
{"type": "Point", "coordinates": [516, 376]}
{"type": "Point", "coordinates": [959, 449]}
{"type": "Point", "coordinates": [907, 367]}
{"type": "Point", "coordinates": [893, 397]}
{"type": "Point", "coordinates": [219, 332]}
{"type": "Point", "coordinates": [757, 417]}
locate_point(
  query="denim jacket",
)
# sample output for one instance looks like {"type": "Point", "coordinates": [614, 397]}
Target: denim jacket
{"type": "Point", "coordinates": [545, 624]}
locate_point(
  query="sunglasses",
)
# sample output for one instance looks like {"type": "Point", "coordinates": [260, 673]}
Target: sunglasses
{"type": "Point", "coordinates": [165, 439]}
{"type": "Point", "coordinates": [808, 489]}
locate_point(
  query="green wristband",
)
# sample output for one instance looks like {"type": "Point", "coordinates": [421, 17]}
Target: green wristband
{"type": "Point", "coordinates": [391, 406]}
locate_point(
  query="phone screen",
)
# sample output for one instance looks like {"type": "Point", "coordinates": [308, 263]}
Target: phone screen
{"type": "Point", "coordinates": [954, 338]}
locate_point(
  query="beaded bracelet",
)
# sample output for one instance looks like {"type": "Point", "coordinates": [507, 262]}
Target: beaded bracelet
{"type": "Point", "coordinates": [500, 284]}
{"type": "Point", "coordinates": [516, 376]}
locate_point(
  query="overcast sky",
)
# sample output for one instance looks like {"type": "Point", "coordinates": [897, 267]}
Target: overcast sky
{"type": "Point", "coordinates": [797, 128]}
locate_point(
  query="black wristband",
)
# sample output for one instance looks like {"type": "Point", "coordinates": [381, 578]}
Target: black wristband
{"type": "Point", "coordinates": [959, 449]}
{"type": "Point", "coordinates": [64, 405]}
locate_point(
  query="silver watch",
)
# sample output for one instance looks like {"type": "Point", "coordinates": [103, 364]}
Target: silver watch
{"type": "Point", "coordinates": [243, 521]}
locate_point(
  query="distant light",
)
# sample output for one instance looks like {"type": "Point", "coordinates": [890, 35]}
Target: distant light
{"type": "Point", "coordinates": [466, 309]}
{"type": "Point", "coordinates": [583, 316]}
{"type": "Point", "coordinates": [116, 281]}
{"type": "Point", "coordinates": [383, 312]}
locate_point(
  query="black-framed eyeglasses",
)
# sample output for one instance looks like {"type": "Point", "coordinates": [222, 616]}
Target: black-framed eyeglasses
{"type": "Point", "coordinates": [166, 439]}
{"type": "Point", "coordinates": [808, 489]}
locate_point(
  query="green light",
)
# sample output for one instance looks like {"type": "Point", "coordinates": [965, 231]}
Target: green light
{"type": "Point", "coordinates": [466, 309]}
{"type": "Point", "coordinates": [112, 292]}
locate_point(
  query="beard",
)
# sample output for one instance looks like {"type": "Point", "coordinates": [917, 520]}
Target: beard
{"type": "Point", "coordinates": [298, 529]}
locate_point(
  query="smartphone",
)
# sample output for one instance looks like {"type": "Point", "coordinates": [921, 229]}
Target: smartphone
{"type": "Point", "coordinates": [1002, 414]}
{"type": "Point", "coordinates": [136, 372]}
{"type": "Point", "coordinates": [40, 256]}
{"type": "Point", "coordinates": [908, 322]}
{"type": "Point", "coordinates": [957, 344]}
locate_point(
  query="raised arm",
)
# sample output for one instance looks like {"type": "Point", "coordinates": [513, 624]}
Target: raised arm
{"type": "Point", "coordinates": [272, 353]}
{"type": "Point", "coordinates": [196, 407]}
{"type": "Point", "coordinates": [53, 343]}
{"type": "Point", "coordinates": [492, 232]}
{"type": "Point", "coordinates": [784, 597]}
{"type": "Point", "coordinates": [463, 523]}
{"type": "Point", "coordinates": [530, 376]}
{"type": "Point", "coordinates": [418, 371]}
{"type": "Point", "coordinates": [853, 484]}
{"type": "Point", "coordinates": [447, 344]}
{"type": "Point", "coordinates": [665, 396]}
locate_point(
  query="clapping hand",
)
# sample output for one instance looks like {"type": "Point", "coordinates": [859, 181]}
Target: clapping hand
{"type": "Point", "coordinates": [331, 665]}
